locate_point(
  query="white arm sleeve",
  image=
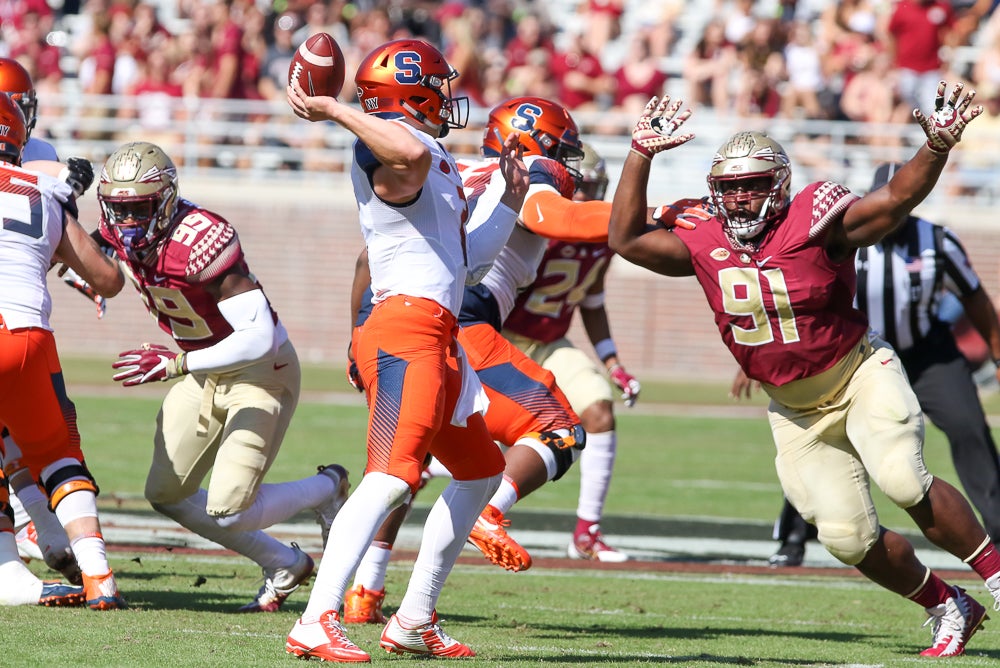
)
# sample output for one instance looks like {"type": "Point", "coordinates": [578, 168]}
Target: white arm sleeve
{"type": "Point", "coordinates": [253, 335]}
{"type": "Point", "coordinates": [488, 229]}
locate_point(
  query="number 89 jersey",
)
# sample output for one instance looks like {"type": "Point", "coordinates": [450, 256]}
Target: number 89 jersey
{"type": "Point", "coordinates": [200, 247]}
{"type": "Point", "coordinates": [785, 310]}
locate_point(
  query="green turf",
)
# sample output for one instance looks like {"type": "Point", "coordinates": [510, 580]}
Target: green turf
{"type": "Point", "coordinates": [181, 616]}
{"type": "Point", "coordinates": [672, 464]}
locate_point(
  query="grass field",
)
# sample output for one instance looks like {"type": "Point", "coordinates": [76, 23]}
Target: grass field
{"type": "Point", "coordinates": [673, 463]}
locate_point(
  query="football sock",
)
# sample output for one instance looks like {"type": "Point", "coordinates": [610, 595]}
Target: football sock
{"type": "Point", "coordinates": [505, 496]}
{"type": "Point", "coordinates": [35, 506]}
{"type": "Point", "coordinates": [371, 571]}
{"type": "Point", "coordinates": [445, 532]}
{"type": "Point", "coordinates": [91, 555]}
{"type": "Point", "coordinates": [985, 561]}
{"type": "Point", "coordinates": [18, 585]}
{"type": "Point", "coordinates": [278, 502]}
{"type": "Point", "coordinates": [351, 536]}
{"type": "Point", "coordinates": [190, 513]}
{"type": "Point", "coordinates": [933, 592]}
{"type": "Point", "coordinates": [596, 463]}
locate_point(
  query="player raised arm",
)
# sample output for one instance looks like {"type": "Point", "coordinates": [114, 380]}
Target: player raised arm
{"type": "Point", "coordinates": [404, 159]}
{"type": "Point", "coordinates": [879, 212]}
{"type": "Point", "coordinates": [656, 249]}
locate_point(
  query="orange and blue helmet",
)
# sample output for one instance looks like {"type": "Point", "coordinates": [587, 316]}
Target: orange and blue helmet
{"type": "Point", "coordinates": [412, 78]}
{"type": "Point", "coordinates": [544, 128]}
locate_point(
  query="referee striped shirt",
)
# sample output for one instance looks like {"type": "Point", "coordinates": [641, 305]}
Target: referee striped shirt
{"type": "Point", "coordinates": [902, 279]}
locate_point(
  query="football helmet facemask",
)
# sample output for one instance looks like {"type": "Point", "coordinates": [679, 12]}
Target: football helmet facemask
{"type": "Point", "coordinates": [544, 128]}
{"type": "Point", "coordinates": [138, 195]}
{"type": "Point", "coordinates": [750, 182]}
{"type": "Point", "coordinates": [16, 83]}
{"type": "Point", "coordinates": [593, 183]}
{"type": "Point", "coordinates": [411, 77]}
{"type": "Point", "coordinates": [13, 133]}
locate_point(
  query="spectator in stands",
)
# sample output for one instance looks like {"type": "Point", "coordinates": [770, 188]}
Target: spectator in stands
{"type": "Point", "coordinates": [639, 77]}
{"type": "Point", "coordinates": [869, 95]}
{"type": "Point", "coordinates": [970, 18]}
{"type": "Point", "coordinates": [157, 111]}
{"type": "Point", "coordinates": [461, 31]}
{"type": "Point", "coordinates": [274, 69]}
{"type": "Point", "coordinates": [978, 160]}
{"type": "Point", "coordinates": [225, 65]}
{"type": "Point", "coordinates": [708, 67]}
{"type": "Point", "coordinates": [739, 20]}
{"type": "Point", "coordinates": [805, 78]}
{"type": "Point", "coordinates": [40, 58]}
{"type": "Point", "coordinates": [986, 68]}
{"type": "Point", "coordinates": [97, 70]}
{"type": "Point", "coordinates": [581, 82]}
{"type": "Point", "coordinates": [760, 70]}
{"type": "Point", "coordinates": [531, 43]}
{"type": "Point", "coordinates": [917, 31]}
{"type": "Point", "coordinates": [602, 22]}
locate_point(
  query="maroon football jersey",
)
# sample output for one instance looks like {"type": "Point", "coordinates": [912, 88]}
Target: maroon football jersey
{"type": "Point", "coordinates": [201, 246]}
{"type": "Point", "coordinates": [567, 271]}
{"type": "Point", "coordinates": [785, 310]}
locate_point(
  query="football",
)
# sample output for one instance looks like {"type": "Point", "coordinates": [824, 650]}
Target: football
{"type": "Point", "coordinates": [318, 66]}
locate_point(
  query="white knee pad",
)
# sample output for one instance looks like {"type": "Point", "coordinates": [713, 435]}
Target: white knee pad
{"type": "Point", "coordinates": [903, 478]}
{"type": "Point", "coordinates": [557, 461]}
{"type": "Point", "coordinates": [848, 543]}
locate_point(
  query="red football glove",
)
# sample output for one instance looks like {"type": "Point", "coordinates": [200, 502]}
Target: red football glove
{"type": "Point", "coordinates": [149, 363]}
{"type": "Point", "coordinates": [625, 382]}
{"type": "Point", "coordinates": [76, 281]}
{"type": "Point", "coordinates": [684, 213]}
{"type": "Point", "coordinates": [945, 126]}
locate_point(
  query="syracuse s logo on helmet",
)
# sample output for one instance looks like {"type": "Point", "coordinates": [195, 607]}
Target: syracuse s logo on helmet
{"type": "Point", "coordinates": [407, 68]}
{"type": "Point", "coordinates": [525, 117]}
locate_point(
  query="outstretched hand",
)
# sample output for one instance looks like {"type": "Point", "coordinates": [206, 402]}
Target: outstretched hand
{"type": "Point", "coordinates": [654, 132]}
{"type": "Point", "coordinates": [514, 171]}
{"type": "Point", "coordinates": [627, 383]}
{"type": "Point", "coordinates": [945, 126]}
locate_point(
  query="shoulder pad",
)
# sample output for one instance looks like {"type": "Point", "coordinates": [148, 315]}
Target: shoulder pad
{"type": "Point", "coordinates": [829, 201]}
{"type": "Point", "coordinates": [477, 175]}
{"type": "Point", "coordinates": [202, 246]}
{"type": "Point", "coordinates": [546, 171]}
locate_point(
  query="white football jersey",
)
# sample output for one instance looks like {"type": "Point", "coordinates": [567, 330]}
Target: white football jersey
{"type": "Point", "coordinates": [417, 249]}
{"type": "Point", "coordinates": [517, 262]}
{"type": "Point", "coordinates": [32, 229]}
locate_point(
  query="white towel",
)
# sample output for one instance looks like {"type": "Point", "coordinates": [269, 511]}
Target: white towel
{"type": "Point", "coordinates": [472, 398]}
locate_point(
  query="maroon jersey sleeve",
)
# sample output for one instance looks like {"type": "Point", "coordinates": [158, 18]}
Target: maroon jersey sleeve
{"type": "Point", "coordinates": [566, 273]}
{"type": "Point", "coordinates": [785, 310]}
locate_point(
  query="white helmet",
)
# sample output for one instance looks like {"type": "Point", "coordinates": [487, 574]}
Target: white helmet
{"type": "Point", "coordinates": [745, 157]}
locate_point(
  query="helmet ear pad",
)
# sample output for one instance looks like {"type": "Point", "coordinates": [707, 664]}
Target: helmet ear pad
{"type": "Point", "coordinates": [760, 165]}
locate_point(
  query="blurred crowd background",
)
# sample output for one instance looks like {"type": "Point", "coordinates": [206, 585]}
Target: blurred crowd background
{"type": "Point", "coordinates": [861, 60]}
{"type": "Point", "coordinates": [204, 73]}
{"type": "Point", "coordinates": [834, 82]}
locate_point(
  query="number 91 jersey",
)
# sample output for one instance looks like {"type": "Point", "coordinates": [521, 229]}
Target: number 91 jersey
{"type": "Point", "coordinates": [200, 247]}
{"type": "Point", "coordinates": [785, 310]}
